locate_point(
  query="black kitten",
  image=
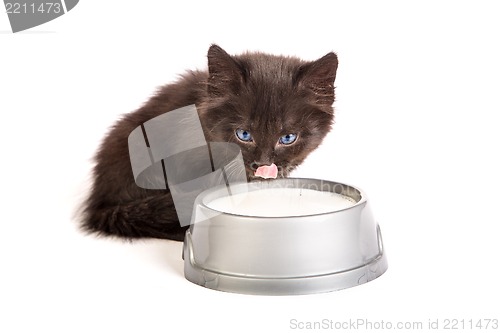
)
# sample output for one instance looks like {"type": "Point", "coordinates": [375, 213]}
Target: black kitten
{"type": "Point", "coordinates": [277, 109]}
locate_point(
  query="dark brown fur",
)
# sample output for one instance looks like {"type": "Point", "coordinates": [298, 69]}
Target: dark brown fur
{"type": "Point", "coordinates": [267, 95]}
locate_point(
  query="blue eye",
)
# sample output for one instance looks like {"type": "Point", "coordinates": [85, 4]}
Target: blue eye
{"type": "Point", "coordinates": [288, 139]}
{"type": "Point", "coordinates": [244, 135]}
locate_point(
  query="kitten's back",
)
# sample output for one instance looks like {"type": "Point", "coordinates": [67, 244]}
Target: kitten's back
{"type": "Point", "coordinates": [116, 205]}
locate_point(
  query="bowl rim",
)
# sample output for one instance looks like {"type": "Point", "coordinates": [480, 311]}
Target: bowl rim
{"type": "Point", "coordinates": [255, 185]}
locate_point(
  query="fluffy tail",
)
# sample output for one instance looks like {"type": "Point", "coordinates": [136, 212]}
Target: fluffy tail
{"type": "Point", "coordinates": [150, 217]}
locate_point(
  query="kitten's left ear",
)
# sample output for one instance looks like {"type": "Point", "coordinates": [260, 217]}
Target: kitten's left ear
{"type": "Point", "coordinates": [318, 76]}
{"type": "Point", "coordinates": [224, 72]}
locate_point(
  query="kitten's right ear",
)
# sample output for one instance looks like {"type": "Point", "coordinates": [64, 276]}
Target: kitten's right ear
{"type": "Point", "coordinates": [318, 77]}
{"type": "Point", "coordinates": [225, 74]}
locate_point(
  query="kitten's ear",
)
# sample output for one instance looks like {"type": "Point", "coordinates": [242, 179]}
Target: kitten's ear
{"type": "Point", "coordinates": [225, 74]}
{"type": "Point", "coordinates": [318, 76]}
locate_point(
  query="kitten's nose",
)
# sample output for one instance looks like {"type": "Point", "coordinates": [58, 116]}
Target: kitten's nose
{"type": "Point", "coordinates": [264, 156]}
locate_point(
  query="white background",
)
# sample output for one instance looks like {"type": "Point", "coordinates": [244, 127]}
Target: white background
{"type": "Point", "coordinates": [417, 128]}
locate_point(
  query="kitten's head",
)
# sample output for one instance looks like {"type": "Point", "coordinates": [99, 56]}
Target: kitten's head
{"type": "Point", "coordinates": [277, 109]}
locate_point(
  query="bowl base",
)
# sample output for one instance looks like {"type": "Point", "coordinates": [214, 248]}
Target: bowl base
{"type": "Point", "coordinates": [301, 285]}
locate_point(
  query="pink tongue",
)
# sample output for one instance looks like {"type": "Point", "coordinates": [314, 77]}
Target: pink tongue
{"type": "Point", "coordinates": [267, 171]}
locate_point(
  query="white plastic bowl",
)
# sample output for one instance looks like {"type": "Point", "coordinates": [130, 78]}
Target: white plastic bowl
{"type": "Point", "coordinates": [283, 237]}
